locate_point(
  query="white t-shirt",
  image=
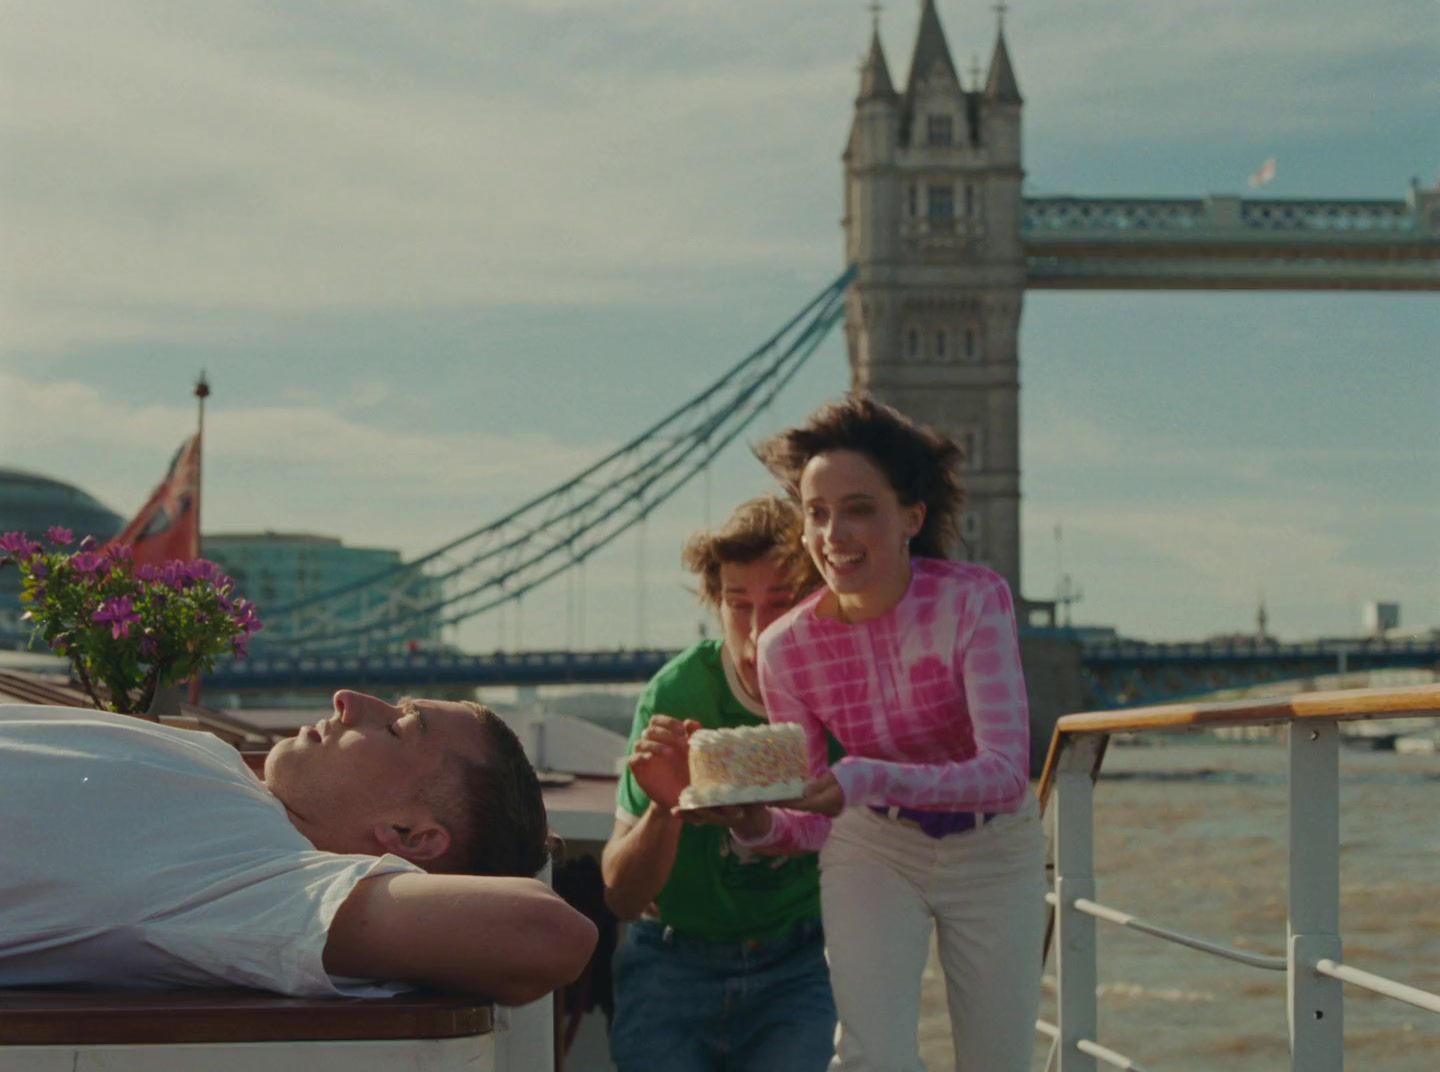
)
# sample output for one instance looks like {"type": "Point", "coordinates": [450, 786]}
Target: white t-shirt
{"type": "Point", "coordinates": [136, 855]}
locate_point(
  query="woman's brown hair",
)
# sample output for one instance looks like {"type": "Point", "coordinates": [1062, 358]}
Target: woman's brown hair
{"type": "Point", "coordinates": [918, 462]}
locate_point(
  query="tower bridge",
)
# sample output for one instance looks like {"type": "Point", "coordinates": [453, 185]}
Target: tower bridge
{"type": "Point", "coordinates": [945, 246]}
{"type": "Point", "coordinates": [940, 246]}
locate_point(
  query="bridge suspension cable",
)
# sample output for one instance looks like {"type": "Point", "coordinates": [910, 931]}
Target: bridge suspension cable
{"type": "Point", "coordinates": [561, 528]}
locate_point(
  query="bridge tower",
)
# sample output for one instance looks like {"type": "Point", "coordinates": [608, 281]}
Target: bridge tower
{"type": "Point", "coordinates": [932, 222]}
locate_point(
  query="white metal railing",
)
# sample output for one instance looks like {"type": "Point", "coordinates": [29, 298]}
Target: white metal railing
{"type": "Point", "coordinates": [1124, 919]}
{"type": "Point", "coordinates": [1312, 959]}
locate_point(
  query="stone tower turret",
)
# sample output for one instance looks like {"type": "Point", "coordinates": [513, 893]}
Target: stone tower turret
{"type": "Point", "coordinates": [932, 222]}
{"type": "Point", "coordinates": [872, 184]}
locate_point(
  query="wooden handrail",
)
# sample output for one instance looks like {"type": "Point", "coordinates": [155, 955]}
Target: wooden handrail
{"type": "Point", "coordinates": [1409, 701]}
{"type": "Point", "coordinates": [59, 1017]}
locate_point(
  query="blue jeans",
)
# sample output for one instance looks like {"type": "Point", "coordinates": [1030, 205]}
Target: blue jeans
{"type": "Point", "coordinates": [683, 1004]}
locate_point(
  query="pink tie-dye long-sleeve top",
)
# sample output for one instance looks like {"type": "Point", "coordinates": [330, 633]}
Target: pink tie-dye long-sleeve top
{"type": "Point", "coordinates": [928, 700]}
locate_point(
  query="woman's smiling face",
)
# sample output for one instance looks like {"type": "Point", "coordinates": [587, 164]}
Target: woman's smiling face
{"type": "Point", "coordinates": [857, 531]}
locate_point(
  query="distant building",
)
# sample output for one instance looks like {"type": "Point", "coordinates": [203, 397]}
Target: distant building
{"type": "Point", "coordinates": [279, 569]}
{"type": "Point", "coordinates": [1381, 617]}
{"type": "Point", "coordinates": [31, 503]}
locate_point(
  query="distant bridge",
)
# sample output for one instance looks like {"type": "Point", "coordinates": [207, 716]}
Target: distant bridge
{"type": "Point", "coordinates": [422, 668]}
{"type": "Point", "coordinates": [1116, 673]}
{"type": "Point", "coordinates": [1128, 673]}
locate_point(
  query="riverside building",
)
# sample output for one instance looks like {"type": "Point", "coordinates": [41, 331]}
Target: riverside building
{"type": "Point", "coordinates": [31, 503]}
{"type": "Point", "coordinates": [277, 570]}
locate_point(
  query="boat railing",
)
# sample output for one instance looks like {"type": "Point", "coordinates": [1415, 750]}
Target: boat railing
{"type": "Point", "coordinates": [1312, 958]}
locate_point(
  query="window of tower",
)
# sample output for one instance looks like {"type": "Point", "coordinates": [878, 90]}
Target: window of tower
{"type": "Point", "coordinates": [937, 130]}
{"type": "Point", "coordinates": [914, 200]}
{"type": "Point", "coordinates": [940, 345]}
{"type": "Point", "coordinates": [912, 344]}
{"type": "Point", "coordinates": [970, 529]}
{"type": "Point", "coordinates": [968, 439]}
{"type": "Point", "coordinates": [969, 199]}
{"type": "Point", "coordinates": [940, 202]}
{"type": "Point", "coordinates": [970, 343]}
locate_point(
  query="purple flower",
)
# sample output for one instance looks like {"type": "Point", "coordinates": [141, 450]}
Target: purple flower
{"type": "Point", "coordinates": [86, 562]}
{"type": "Point", "coordinates": [241, 645]}
{"type": "Point", "coordinates": [116, 553]}
{"type": "Point", "coordinates": [148, 647]}
{"type": "Point", "coordinates": [146, 572]}
{"type": "Point", "coordinates": [202, 570]}
{"type": "Point", "coordinates": [39, 568]}
{"type": "Point", "coordinates": [60, 536]}
{"type": "Point", "coordinates": [18, 545]}
{"type": "Point", "coordinates": [119, 613]}
{"type": "Point", "coordinates": [242, 613]}
{"type": "Point", "coordinates": [88, 544]}
{"type": "Point", "coordinates": [172, 575]}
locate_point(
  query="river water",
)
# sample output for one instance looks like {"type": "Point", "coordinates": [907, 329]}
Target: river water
{"type": "Point", "coordinates": [1191, 834]}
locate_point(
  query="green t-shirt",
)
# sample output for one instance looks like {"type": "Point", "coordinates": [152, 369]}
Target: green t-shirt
{"type": "Point", "coordinates": [717, 889]}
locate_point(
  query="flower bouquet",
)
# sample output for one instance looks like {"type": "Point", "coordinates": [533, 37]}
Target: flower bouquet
{"type": "Point", "coordinates": [132, 629]}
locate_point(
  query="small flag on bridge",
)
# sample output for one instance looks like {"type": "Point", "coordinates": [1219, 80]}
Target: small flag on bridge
{"type": "Point", "coordinates": [168, 525]}
{"type": "Point", "coordinates": [1264, 175]}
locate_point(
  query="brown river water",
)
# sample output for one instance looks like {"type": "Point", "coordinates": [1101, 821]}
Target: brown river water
{"type": "Point", "coordinates": [1191, 834]}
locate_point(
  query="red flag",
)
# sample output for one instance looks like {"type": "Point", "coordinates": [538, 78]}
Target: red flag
{"type": "Point", "coordinates": [168, 525]}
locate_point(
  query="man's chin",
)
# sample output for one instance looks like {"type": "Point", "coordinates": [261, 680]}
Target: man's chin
{"type": "Point", "coordinates": [278, 755]}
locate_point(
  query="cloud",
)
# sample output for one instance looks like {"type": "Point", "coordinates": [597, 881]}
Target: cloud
{"type": "Point", "coordinates": [1176, 534]}
{"type": "Point", "coordinates": [170, 170]}
{"type": "Point", "coordinates": [173, 169]}
{"type": "Point", "coordinates": [1168, 570]}
{"type": "Point", "coordinates": [1131, 69]}
{"type": "Point", "coordinates": [337, 464]}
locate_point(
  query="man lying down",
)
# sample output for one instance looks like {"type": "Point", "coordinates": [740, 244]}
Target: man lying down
{"type": "Point", "coordinates": [387, 847]}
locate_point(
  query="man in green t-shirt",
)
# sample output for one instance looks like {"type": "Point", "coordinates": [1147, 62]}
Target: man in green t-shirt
{"type": "Point", "coordinates": [723, 964]}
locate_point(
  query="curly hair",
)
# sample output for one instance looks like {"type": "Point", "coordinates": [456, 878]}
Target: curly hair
{"type": "Point", "coordinates": [759, 527]}
{"type": "Point", "coordinates": [918, 462]}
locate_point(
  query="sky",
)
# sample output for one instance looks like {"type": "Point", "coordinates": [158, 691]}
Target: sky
{"type": "Point", "coordinates": [435, 258]}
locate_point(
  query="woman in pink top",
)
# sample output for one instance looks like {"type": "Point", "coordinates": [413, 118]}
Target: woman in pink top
{"type": "Point", "coordinates": [928, 823]}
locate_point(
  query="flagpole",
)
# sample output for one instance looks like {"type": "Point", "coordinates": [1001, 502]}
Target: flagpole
{"type": "Point", "coordinates": [202, 392]}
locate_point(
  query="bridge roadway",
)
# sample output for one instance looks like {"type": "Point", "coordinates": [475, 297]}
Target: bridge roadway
{"type": "Point", "coordinates": [1115, 672]}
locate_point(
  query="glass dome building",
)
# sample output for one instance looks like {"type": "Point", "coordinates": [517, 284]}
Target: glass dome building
{"type": "Point", "coordinates": [31, 503]}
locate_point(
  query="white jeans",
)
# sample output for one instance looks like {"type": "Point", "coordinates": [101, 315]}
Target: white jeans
{"type": "Point", "coordinates": [883, 885]}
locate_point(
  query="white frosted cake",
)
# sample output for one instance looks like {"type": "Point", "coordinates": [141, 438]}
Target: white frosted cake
{"type": "Point", "coordinates": [746, 765]}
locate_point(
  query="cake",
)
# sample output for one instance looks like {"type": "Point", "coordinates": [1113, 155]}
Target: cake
{"type": "Point", "coordinates": [746, 765]}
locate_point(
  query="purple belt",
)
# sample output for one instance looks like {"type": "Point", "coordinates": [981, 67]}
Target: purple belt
{"type": "Point", "coordinates": [937, 824]}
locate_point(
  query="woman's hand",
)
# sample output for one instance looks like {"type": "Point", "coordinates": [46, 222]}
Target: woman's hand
{"type": "Point", "coordinates": [661, 760]}
{"type": "Point", "coordinates": [822, 795]}
{"type": "Point", "coordinates": [749, 821]}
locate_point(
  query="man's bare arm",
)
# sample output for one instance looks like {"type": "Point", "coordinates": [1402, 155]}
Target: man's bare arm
{"type": "Point", "coordinates": [637, 860]}
{"type": "Point", "coordinates": [640, 853]}
{"type": "Point", "coordinates": [509, 939]}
